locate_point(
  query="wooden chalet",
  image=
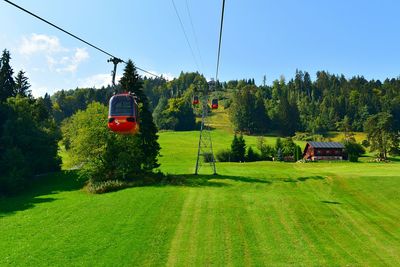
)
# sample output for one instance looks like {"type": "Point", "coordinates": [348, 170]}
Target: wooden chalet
{"type": "Point", "coordinates": [324, 151]}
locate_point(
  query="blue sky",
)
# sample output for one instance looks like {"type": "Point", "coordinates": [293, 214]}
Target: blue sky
{"type": "Point", "coordinates": [261, 37]}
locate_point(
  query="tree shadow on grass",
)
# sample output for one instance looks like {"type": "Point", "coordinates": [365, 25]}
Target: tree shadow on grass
{"type": "Point", "coordinates": [331, 202]}
{"type": "Point", "coordinates": [161, 180]}
{"type": "Point", "coordinates": [208, 180]}
{"type": "Point", "coordinates": [49, 184]}
{"type": "Point", "coordinates": [394, 159]}
{"type": "Point", "coordinates": [303, 179]}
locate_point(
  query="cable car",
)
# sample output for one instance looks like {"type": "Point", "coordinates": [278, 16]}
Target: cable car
{"type": "Point", "coordinates": [214, 103]}
{"type": "Point", "coordinates": [195, 100]}
{"type": "Point", "coordinates": [123, 115]}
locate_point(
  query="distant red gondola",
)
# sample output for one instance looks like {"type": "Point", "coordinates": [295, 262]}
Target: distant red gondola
{"type": "Point", "coordinates": [195, 100]}
{"type": "Point", "coordinates": [123, 116]}
{"type": "Point", "coordinates": [214, 103]}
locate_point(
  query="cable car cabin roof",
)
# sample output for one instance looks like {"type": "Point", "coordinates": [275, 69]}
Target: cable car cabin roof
{"type": "Point", "coordinates": [326, 144]}
{"type": "Point", "coordinates": [122, 105]}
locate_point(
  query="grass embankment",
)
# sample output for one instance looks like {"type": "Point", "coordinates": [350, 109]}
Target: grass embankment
{"type": "Point", "coordinates": [263, 213]}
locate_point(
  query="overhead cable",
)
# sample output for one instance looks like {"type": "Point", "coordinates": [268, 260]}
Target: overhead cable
{"type": "Point", "coordinates": [73, 35]}
{"type": "Point", "coordinates": [220, 39]}
{"type": "Point", "coordinates": [184, 32]}
{"type": "Point", "coordinates": [194, 33]}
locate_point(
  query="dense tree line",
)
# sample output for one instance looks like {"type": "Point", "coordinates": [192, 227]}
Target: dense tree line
{"type": "Point", "coordinates": [317, 106]}
{"type": "Point", "coordinates": [330, 103]}
{"type": "Point", "coordinates": [28, 132]}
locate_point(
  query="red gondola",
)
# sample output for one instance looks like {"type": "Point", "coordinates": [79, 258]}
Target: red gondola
{"type": "Point", "coordinates": [123, 116]}
{"type": "Point", "coordinates": [195, 100]}
{"type": "Point", "coordinates": [214, 103]}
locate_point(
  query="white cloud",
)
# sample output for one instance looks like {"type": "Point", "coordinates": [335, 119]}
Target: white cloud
{"type": "Point", "coordinates": [40, 43]}
{"type": "Point", "coordinates": [168, 76]}
{"type": "Point", "coordinates": [98, 80]}
{"type": "Point", "coordinates": [58, 58]}
{"type": "Point", "coordinates": [71, 64]}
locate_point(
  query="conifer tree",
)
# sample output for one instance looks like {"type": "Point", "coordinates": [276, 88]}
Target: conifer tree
{"type": "Point", "coordinates": [7, 82]}
{"type": "Point", "coordinates": [22, 85]}
{"type": "Point", "coordinates": [238, 148]}
{"type": "Point", "coordinates": [150, 148]}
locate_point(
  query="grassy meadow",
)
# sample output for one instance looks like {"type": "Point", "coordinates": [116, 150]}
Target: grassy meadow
{"type": "Point", "coordinates": [251, 214]}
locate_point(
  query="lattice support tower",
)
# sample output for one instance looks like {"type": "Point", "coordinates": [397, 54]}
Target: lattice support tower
{"type": "Point", "coordinates": [205, 149]}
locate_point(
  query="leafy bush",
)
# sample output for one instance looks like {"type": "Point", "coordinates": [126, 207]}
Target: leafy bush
{"type": "Point", "coordinates": [106, 186]}
{"type": "Point", "coordinates": [224, 155]}
{"type": "Point", "coordinates": [354, 150]}
{"type": "Point", "coordinates": [353, 158]}
{"type": "Point", "coordinates": [208, 157]}
{"type": "Point", "coordinates": [267, 152]}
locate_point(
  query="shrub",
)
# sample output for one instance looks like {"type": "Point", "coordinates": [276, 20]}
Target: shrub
{"type": "Point", "coordinates": [267, 152]}
{"type": "Point", "coordinates": [252, 155]}
{"type": "Point", "coordinates": [106, 186]}
{"type": "Point", "coordinates": [354, 150]}
{"type": "Point", "coordinates": [353, 158]}
{"type": "Point", "coordinates": [208, 157]}
{"type": "Point", "coordinates": [224, 155]}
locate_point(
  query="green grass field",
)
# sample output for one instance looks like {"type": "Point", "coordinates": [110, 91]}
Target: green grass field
{"type": "Point", "coordinates": [251, 214]}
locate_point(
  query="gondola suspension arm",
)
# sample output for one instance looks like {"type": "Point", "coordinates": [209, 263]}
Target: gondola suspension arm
{"type": "Point", "coordinates": [115, 61]}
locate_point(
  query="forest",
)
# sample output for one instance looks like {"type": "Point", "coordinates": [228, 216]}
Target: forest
{"type": "Point", "coordinates": [285, 107]}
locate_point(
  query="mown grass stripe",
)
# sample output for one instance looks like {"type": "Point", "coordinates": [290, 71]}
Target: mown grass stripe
{"type": "Point", "coordinates": [179, 235]}
{"type": "Point", "coordinates": [349, 226]}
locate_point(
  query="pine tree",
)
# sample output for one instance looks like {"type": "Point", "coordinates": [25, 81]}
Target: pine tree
{"type": "Point", "coordinates": [234, 149]}
{"type": "Point", "coordinates": [252, 155]}
{"type": "Point", "coordinates": [288, 115]}
{"type": "Point", "coordinates": [242, 148]}
{"type": "Point", "coordinates": [279, 155]}
{"type": "Point", "coordinates": [7, 83]}
{"type": "Point", "coordinates": [238, 148]}
{"type": "Point", "coordinates": [48, 103]}
{"type": "Point", "coordinates": [247, 111]}
{"type": "Point", "coordinates": [278, 144]}
{"type": "Point", "coordinates": [150, 148]}
{"type": "Point", "coordinates": [260, 114]}
{"type": "Point", "coordinates": [22, 85]}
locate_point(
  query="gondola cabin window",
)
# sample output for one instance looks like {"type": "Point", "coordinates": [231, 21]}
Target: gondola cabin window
{"type": "Point", "coordinates": [123, 114]}
{"type": "Point", "coordinates": [121, 106]}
